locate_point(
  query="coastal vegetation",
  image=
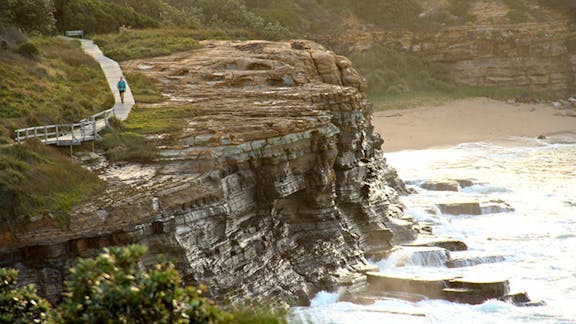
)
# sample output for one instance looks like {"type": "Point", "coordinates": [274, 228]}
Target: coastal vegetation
{"type": "Point", "coordinates": [131, 43]}
{"type": "Point", "coordinates": [114, 287]}
{"type": "Point", "coordinates": [44, 81]}
{"type": "Point", "coordinates": [39, 183]}
{"type": "Point", "coordinates": [47, 80]}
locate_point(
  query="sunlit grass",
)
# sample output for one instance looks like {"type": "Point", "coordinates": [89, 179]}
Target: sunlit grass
{"type": "Point", "coordinates": [139, 43]}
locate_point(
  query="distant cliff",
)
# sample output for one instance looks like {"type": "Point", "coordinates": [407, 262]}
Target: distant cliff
{"type": "Point", "coordinates": [274, 191]}
{"type": "Point", "coordinates": [535, 52]}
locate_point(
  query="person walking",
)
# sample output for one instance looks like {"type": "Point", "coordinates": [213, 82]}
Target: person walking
{"type": "Point", "coordinates": [121, 88]}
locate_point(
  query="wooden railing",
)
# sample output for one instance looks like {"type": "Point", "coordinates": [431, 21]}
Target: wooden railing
{"type": "Point", "coordinates": [68, 134]}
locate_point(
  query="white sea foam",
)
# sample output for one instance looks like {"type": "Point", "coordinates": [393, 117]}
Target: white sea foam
{"type": "Point", "coordinates": [538, 178]}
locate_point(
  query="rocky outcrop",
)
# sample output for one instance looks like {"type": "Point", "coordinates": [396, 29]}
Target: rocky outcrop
{"type": "Point", "coordinates": [273, 190]}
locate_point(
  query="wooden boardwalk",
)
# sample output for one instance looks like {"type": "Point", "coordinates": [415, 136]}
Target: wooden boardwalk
{"type": "Point", "coordinates": [89, 128]}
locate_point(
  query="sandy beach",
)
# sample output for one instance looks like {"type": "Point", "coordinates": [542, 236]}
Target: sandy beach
{"type": "Point", "coordinates": [469, 120]}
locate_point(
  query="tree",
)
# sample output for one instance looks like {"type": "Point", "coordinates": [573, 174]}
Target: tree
{"type": "Point", "coordinates": [32, 15]}
{"type": "Point", "coordinates": [20, 305]}
{"type": "Point", "coordinates": [113, 287]}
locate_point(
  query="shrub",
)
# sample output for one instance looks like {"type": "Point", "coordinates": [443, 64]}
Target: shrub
{"type": "Point", "coordinates": [132, 43]}
{"type": "Point", "coordinates": [28, 50]}
{"type": "Point", "coordinates": [94, 16]}
{"type": "Point", "coordinates": [20, 305]}
{"type": "Point", "coordinates": [30, 15]}
{"type": "Point", "coordinates": [391, 13]}
{"type": "Point", "coordinates": [114, 288]}
{"type": "Point", "coordinates": [517, 16]}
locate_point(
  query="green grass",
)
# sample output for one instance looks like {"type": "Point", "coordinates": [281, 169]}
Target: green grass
{"type": "Point", "coordinates": [159, 120]}
{"type": "Point", "coordinates": [59, 85]}
{"type": "Point", "coordinates": [144, 88]}
{"type": "Point", "coordinates": [413, 99]}
{"type": "Point", "coordinates": [37, 182]}
{"type": "Point", "coordinates": [132, 44]}
{"type": "Point", "coordinates": [129, 141]}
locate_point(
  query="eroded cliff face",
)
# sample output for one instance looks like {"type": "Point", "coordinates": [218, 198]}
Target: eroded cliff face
{"type": "Point", "coordinates": [536, 55]}
{"type": "Point", "coordinates": [274, 191]}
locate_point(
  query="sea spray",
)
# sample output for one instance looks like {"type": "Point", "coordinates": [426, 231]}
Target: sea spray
{"type": "Point", "coordinates": [536, 239]}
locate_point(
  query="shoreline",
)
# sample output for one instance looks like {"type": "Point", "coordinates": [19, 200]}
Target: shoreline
{"type": "Point", "coordinates": [468, 120]}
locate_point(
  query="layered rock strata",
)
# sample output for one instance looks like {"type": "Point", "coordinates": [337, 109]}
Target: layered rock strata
{"type": "Point", "coordinates": [532, 56]}
{"type": "Point", "coordinates": [273, 190]}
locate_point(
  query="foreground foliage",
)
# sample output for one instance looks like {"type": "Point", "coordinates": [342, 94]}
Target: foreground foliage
{"type": "Point", "coordinates": [114, 288]}
{"type": "Point", "coordinates": [20, 304]}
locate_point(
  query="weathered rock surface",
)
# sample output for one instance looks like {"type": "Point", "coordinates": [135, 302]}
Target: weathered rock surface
{"type": "Point", "coordinates": [460, 208]}
{"type": "Point", "coordinates": [437, 185]}
{"type": "Point", "coordinates": [273, 191]}
{"type": "Point", "coordinates": [440, 286]}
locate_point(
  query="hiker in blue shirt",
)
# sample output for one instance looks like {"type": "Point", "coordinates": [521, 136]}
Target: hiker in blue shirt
{"type": "Point", "coordinates": [121, 88]}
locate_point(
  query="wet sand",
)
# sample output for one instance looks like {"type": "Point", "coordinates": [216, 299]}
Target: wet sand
{"type": "Point", "coordinates": [469, 120]}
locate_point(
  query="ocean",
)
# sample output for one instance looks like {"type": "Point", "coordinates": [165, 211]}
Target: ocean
{"type": "Point", "coordinates": [537, 240]}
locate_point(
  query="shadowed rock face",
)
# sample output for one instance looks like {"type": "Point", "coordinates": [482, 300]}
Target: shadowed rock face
{"type": "Point", "coordinates": [274, 192]}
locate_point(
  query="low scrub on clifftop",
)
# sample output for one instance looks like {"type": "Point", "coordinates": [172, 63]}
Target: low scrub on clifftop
{"type": "Point", "coordinates": [138, 43]}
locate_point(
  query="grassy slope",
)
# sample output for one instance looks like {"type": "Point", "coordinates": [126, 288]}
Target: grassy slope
{"type": "Point", "coordinates": [39, 182]}
{"type": "Point", "coordinates": [60, 85]}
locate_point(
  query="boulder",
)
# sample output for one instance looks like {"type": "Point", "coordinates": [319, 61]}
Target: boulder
{"type": "Point", "coordinates": [460, 208]}
{"type": "Point", "coordinates": [430, 286]}
{"type": "Point", "coordinates": [425, 256]}
{"type": "Point", "coordinates": [475, 290]}
{"type": "Point", "coordinates": [441, 185]}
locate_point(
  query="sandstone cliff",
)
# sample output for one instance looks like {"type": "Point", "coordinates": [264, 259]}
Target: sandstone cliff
{"type": "Point", "coordinates": [537, 54]}
{"type": "Point", "coordinates": [275, 191]}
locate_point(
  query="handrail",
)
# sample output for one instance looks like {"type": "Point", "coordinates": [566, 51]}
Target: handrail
{"type": "Point", "coordinates": [68, 134]}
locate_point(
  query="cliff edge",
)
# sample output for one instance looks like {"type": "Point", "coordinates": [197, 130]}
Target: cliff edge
{"type": "Point", "coordinates": [275, 190]}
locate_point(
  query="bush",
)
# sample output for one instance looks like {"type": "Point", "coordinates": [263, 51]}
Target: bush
{"type": "Point", "coordinates": [114, 288]}
{"type": "Point", "coordinates": [132, 43]}
{"type": "Point", "coordinates": [30, 15]}
{"type": "Point", "coordinates": [94, 16]}
{"type": "Point", "coordinates": [28, 50]}
{"type": "Point", "coordinates": [517, 16]}
{"type": "Point", "coordinates": [20, 305]}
